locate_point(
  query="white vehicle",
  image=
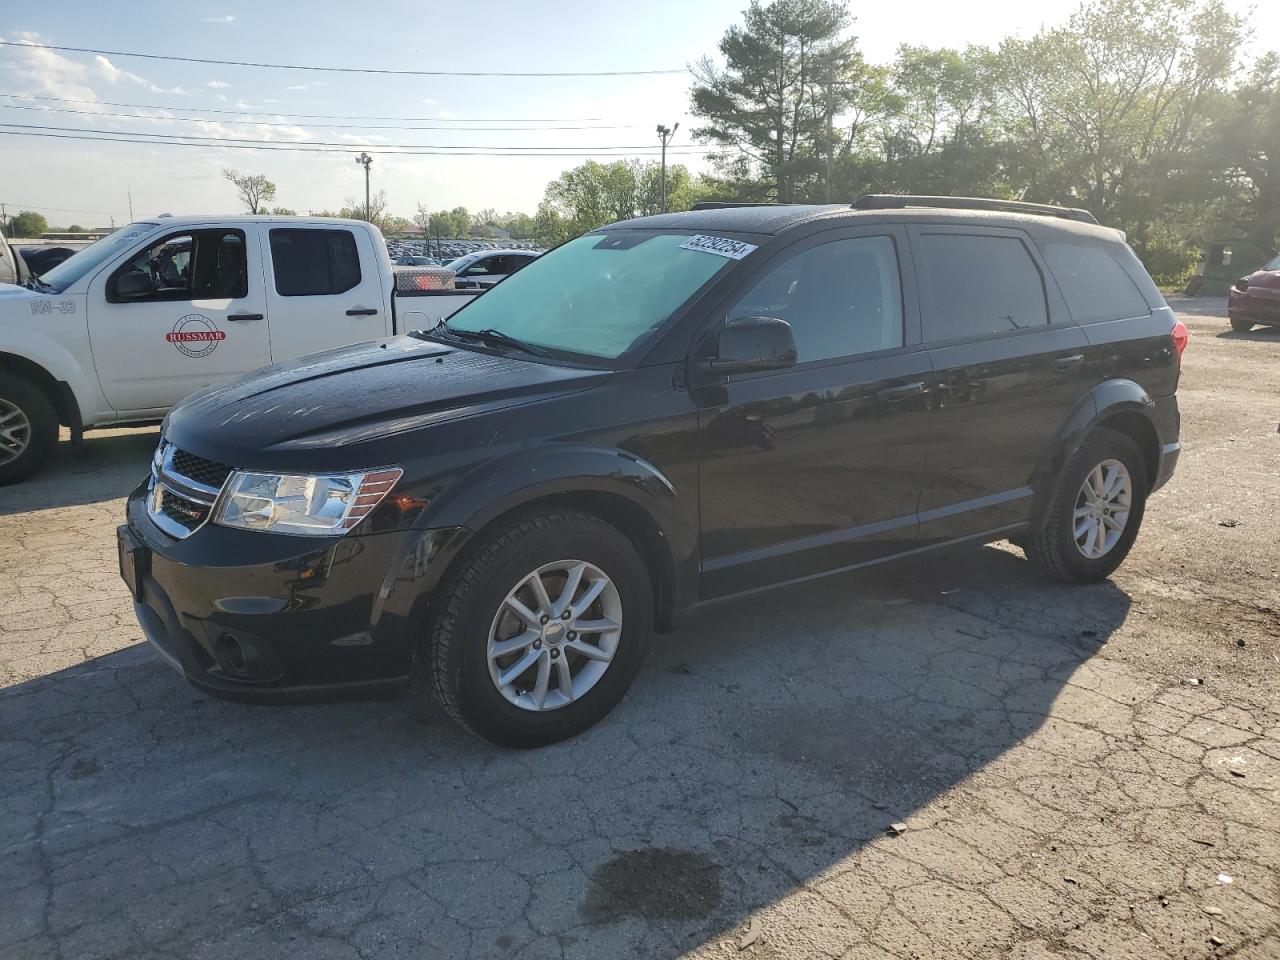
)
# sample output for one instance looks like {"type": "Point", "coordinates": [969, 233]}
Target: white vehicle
{"type": "Point", "coordinates": [127, 327]}
{"type": "Point", "coordinates": [13, 268]}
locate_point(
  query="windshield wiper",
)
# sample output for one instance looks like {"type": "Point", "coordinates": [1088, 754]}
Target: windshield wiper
{"type": "Point", "coordinates": [491, 336]}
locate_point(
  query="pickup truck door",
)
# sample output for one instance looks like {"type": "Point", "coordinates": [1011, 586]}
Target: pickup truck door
{"type": "Point", "coordinates": [186, 310]}
{"type": "Point", "coordinates": [323, 289]}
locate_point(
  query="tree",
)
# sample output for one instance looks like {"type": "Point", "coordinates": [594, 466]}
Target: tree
{"type": "Point", "coordinates": [27, 224]}
{"type": "Point", "coordinates": [594, 194]}
{"type": "Point", "coordinates": [76, 228]}
{"type": "Point", "coordinates": [784, 71]}
{"type": "Point", "coordinates": [256, 191]}
{"type": "Point", "coordinates": [354, 208]}
{"type": "Point", "coordinates": [284, 212]}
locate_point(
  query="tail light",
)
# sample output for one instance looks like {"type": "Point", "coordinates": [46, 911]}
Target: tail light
{"type": "Point", "coordinates": [1180, 336]}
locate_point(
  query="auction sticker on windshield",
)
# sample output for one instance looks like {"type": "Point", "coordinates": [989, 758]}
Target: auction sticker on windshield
{"type": "Point", "coordinates": [720, 246]}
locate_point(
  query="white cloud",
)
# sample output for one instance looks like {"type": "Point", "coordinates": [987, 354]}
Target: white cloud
{"type": "Point", "coordinates": [446, 115]}
{"type": "Point", "coordinates": [227, 19]}
{"type": "Point", "coordinates": [218, 84]}
{"type": "Point", "coordinates": [112, 74]}
{"type": "Point", "coordinates": [429, 100]}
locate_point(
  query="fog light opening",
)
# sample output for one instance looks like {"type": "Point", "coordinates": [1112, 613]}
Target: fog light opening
{"type": "Point", "coordinates": [231, 654]}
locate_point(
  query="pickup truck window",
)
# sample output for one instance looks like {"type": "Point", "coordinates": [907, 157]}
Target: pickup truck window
{"type": "Point", "coordinates": [312, 263]}
{"type": "Point", "coordinates": [197, 265]}
{"type": "Point", "coordinates": [599, 295]}
{"type": "Point", "coordinates": [93, 256]}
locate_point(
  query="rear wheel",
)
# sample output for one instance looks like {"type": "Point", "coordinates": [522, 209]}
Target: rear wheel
{"type": "Point", "coordinates": [542, 629]}
{"type": "Point", "coordinates": [1241, 325]}
{"type": "Point", "coordinates": [28, 428]}
{"type": "Point", "coordinates": [1095, 512]}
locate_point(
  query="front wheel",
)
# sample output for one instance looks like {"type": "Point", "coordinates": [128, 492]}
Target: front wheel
{"type": "Point", "coordinates": [1095, 512]}
{"type": "Point", "coordinates": [28, 428]}
{"type": "Point", "coordinates": [1241, 325]}
{"type": "Point", "coordinates": [541, 630]}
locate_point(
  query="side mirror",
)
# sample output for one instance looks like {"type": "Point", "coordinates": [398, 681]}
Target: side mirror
{"type": "Point", "coordinates": [749, 344]}
{"type": "Point", "coordinates": [133, 286]}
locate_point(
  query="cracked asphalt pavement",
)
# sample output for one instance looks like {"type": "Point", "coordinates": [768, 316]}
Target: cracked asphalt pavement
{"type": "Point", "coordinates": [1081, 771]}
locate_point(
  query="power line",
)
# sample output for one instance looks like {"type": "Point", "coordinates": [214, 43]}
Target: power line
{"type": "Point", "coordinates": [268, 123]}
{"type": "Point", "coordinates": [297, 148]}
{"type": "Point", "coordinates": [147, 137]}
{"type": "Point", "coordinates": [370, 70]}
{"type": "Point", "coordinates": [38, 206]}
{"type": "Point", "coordinates": [301, 116]}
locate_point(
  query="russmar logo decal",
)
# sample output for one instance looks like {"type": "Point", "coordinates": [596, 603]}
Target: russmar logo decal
{"type": "Point", "coordinates": [195, 336]}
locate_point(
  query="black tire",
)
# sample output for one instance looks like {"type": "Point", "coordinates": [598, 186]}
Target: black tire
{"type": "Point", "coordinates": [469, 599]}
{"type": "Point", "coordinates": [1241, 325]}
{"type": "Point", "coordinates": [43, 420]}
{"type": "Point", "coordinates": [1053, 548]}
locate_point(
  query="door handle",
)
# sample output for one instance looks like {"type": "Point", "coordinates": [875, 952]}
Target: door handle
{"type": "Point", "coordinates": [237, 317]}
{"type": "Point", "coordinates": [362, 312]}
{"type": "Point", "coordinates": [902, 392]}
{"type": "Point", "coordinates": [1066, 363]}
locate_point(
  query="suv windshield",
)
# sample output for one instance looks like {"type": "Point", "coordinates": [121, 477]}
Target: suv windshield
{"type": "Point", "coordinates": [598, 295]}
{"type": "Point", "coordinates": [1273, 264]}
{"type": "Point", "coordinates": [76, 266]}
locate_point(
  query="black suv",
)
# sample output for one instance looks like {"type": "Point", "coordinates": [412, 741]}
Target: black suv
{"type": "Point", "coordinates": [660, 414]}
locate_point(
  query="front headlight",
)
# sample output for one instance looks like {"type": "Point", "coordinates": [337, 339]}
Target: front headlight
{"type": "Point", "coordinates": [326, 505]}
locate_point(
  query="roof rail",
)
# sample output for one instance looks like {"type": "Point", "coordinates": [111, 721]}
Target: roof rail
{"type": "Point", "coordinates": [895, 201]}
{"type": "Point", "coordinates": [730, 204]}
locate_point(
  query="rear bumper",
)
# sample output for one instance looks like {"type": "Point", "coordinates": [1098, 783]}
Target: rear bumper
{"type": "Point", "coordinates": [267, 619]}
{"type": "Point", "coordinates": [1169, 426]}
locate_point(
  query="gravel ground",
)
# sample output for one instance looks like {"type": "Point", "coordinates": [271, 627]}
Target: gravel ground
{"type": "Point", "coordinates": [1081, 771]}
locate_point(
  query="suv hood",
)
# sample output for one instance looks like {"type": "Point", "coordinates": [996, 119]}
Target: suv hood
{"type": "Point", "coordinates": [356, 394]}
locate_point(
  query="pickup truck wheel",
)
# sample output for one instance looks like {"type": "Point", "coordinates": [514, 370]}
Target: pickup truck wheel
{"type": "Point", "coordinates": [28, 428]}
{"type": "Point", "coordinates": [1096, 510]}
{"type": "Point", "coordinates": [541, 630]}
{"type": "Point", "coordinates": [1241, 325]}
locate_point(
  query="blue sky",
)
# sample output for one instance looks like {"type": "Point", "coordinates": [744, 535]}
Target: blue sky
{"type": "Point", "coordinates": [92, 181]}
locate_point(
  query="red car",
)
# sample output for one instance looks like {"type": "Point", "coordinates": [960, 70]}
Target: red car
{"type": "Point", "coordinates": [1256, 298]}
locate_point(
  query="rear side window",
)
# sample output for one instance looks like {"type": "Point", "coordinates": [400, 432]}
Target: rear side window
{"type": "Point", "coordinates": [311, 263]}
{"type": "Point", "coordinates": [980, 285]}
{"type": "Point", "coordinates": [1094, 284]}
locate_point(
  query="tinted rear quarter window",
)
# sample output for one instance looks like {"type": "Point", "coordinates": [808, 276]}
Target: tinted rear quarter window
{"type": "Point", "coordinates": [980, 285]}
{"type": "Point", "coordinates": [311, 263]}
{"type": "Point", "coordinates": [1094, 285]}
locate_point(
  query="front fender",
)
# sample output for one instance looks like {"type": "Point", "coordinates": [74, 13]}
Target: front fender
{"type": "Point", "coordinates": [495, 487]}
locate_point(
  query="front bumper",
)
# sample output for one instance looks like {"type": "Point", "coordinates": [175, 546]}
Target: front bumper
{"type": "Point", "coordinates": [1260, 305]}
{"type": "Point", "coordinates": [272, 618]}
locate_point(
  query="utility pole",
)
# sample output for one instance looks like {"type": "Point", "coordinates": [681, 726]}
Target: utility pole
{"type": "Point", "coordinates": [665, 135]}
{"type": "Point", "coordinates": [365, 161]}
{"type": "Point", "coordinates": [130, 189]}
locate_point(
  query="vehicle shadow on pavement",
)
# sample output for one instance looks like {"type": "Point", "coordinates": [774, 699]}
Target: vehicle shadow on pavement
{"type": "Point", "coordinates": [762, 755]}
{"type": "Point", "coordinates": [1258, 335]}
{"type": "Point", "coordinates": [103, 467]}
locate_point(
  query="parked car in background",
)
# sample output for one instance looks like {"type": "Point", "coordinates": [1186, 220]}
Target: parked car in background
{"type": "Point", "coordinates": [130, 325]}
{"type": "Point", "coordinates": [487, 267]}
{"type": "Point", "coordinates": [415, 260]}
{"type": "Point", "coordinates": [1255, 299]}
{"type": "Point", "coordinates": [660, 414]}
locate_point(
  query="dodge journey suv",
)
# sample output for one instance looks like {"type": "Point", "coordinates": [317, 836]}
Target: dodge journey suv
{"type": "Point", "coordinates": [661, 414]}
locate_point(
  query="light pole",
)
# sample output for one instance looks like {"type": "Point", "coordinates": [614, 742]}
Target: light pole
{"type": "Point", "coordinates": [365, 161]}
{"type": "Point", "coordinates": [665, 135]}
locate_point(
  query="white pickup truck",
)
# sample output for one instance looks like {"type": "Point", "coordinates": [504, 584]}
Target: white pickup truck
{"type": "Point", "coordinates": [130, 325]}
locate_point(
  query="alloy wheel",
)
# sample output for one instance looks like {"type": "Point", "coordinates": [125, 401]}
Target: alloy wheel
{"type": "Point", "coordinates": [1102, 509]}
{"type": "Point", "coordinates": [555, 635]}
{"type": "Point", "coordinates": [15, 432]}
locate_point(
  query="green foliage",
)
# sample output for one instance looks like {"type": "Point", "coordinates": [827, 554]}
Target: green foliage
{"type": "Point", "coordinates": [27, 225]}
{"type": "Point", "coordinates": [284, 212]}
{"type": "Point", "coordinates": [594, 194]}
{"type": "Point", "coordinates": [255, 190]}
{"type": "Point", "coordinates": [1170, 256]}
{"type": "Point", "coordinates": [1127, 109]}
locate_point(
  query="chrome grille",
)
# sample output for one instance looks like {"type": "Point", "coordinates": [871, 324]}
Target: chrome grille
{"type": "Point", "coordinates": [183, 490]}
